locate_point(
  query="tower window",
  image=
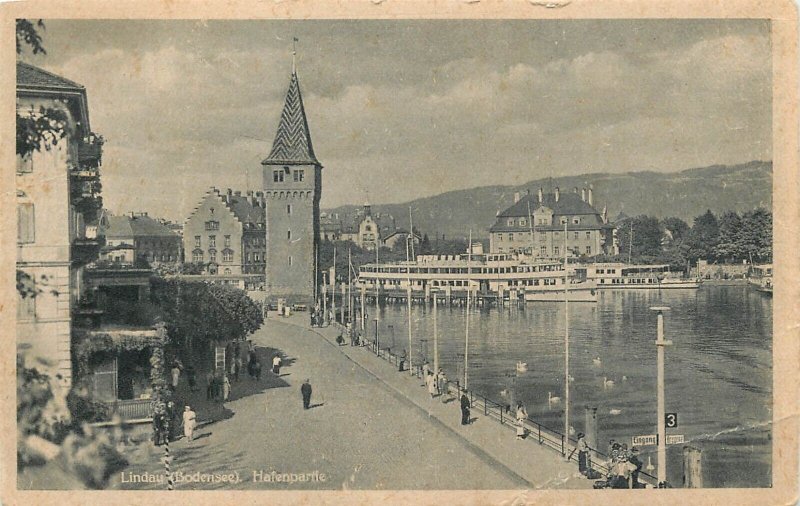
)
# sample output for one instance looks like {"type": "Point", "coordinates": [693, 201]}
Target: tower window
{"type": "Point", "coordinates": [197, 241]}
{"type": "Point", "coordinates": [290, 260]}
{"type": "Point", "coordinates": [288, 208]}
{"type": "Point", "coordinates": [289, 235]}
{"type": "Point", "coordinates": [299, 175]}
{"type": "Point", "coordinates": [212, 241]}
{"type": "Point", "coordinates": [227, 241]}
{"type": "Point", "coordinates": [277, 176]}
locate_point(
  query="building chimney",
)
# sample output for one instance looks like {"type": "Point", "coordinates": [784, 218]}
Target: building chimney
{"type": "Point", "coordinates": [249, 193]}
{"type": "Point", "coordinates": [237, 193]}
{"type": "Point", "coordinates": [591, 199]}
{"type": "Point", "coordinates": [557, 193]}
{"type": "Point", "coordinates": [541, 195]}
{"type": "Point", "coordinates": [230, 192]}
{"type": "Point", "coordinates": [516, 197]}
{"type": "Point", "coordinates": [583, 194]}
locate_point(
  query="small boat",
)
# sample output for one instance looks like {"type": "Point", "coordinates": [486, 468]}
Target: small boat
{"type": "Point", "coordinates": [522, 366]}
{"type": "Point", "coordinates": [614, 412]}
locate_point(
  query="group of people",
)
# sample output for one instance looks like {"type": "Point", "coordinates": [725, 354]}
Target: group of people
{"type": "Point", "coordinates": [166, 423]}
{"type": "Point", "coordinates": [435, 382]}
{"type": "Point", "coordinates": [624, 467]}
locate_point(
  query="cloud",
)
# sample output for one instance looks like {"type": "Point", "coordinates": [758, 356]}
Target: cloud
{"type": "Point", "coordinates": [181, 117]}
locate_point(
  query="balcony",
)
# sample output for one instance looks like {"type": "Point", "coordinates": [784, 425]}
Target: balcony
{"type": "Point", "coordinates": [90, 152]}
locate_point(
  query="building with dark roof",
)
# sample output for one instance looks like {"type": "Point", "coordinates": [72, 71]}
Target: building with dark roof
{"type": "Point", "coordinates": [146, 239]}
{"type": "Point", "coordinates": [292, 182]}
{"type": "Point", "coordinates": [58, 203]}
{"type": "Point", "coordinates": [367, 229]}
{"type": "Point", "coordinates": [534, 225]}
{"type": "Point", "coordinates": [226, 234]}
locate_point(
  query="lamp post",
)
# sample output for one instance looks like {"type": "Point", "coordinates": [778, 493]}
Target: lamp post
{"type": "Point", "coordinates": [377, 343]}
{"type": "Point", "coordinates": [660, 343]}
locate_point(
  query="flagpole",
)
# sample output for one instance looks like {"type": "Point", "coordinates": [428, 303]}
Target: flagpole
{"type": "Point", "coordinates": [408, 308]}
{"type": "Point", "coordinates": [349, 289]}
{"type": "Point", "coordinates": [466, 330]}
{"type": "Point", "coordinates": [333, 286]}
{"type": "Point", "coordinates": [566, 340]}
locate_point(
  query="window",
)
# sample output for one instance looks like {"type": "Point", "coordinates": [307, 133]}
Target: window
{"type": "Point", "coordinates": [543, 250]}
{"type": "Point", "coordinates": [299, 175]}
{"type": "Point", "coordinates": [289, 235]}
{"type": "Point", "coordinates": [290, 260]}
{"type": "Point", "coordinates": [288, 208]}
{"type": "Point", "coordinates": [576, 221]}
{"type": "Point", "coordinates": [510, 237]}
{"type": "Point", "coordinates": [212, 241]}
{"type": "Point", "coordinates": [227, 256]}
{"type": "Point", "coordinates": [26, 227]}
{"type": "Point", "coordinates": [248, 257]}
{"type": "Point", "coordinates": [564, 220]}
{"type": "Point", "coordinates": [25, 164]}
{"type": "Point", "coordinates": [575, 235]}
{"type": "Point", "coordinates": [197, 241]}
{"type": "Point", "coordinates": [227, 241]}
{"type": "Point", "coordinates": [212, 256]}
{"type": "Point", "coordinates": [556, 250]}
{"type": "Point", "coordinates": [588, 235]}
{"type": "Point", "coordinates": [212, 225]}
{"type": "Point", "coordinates": [588, 250]}
{"type": "Point", "coordinates": [197, 257]}
{"type": "Point", "coordinates": [522, 222]}
{"type": "Point", "coordinates": [277, 176]}
{"type": "Point", "coordinates": [227, 270]}
{"type": "Point", "coordinates": [369, 228]}
{"type": "Point", "coordinates": [510, 222]}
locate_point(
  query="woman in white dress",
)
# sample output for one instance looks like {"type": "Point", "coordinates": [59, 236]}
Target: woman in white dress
{"type": "Point", "coordinates": [522, 415]}
{"type": "Point", "coordinates": [226, 388]}
{"type": "Point", "coordinates": [189, 423]}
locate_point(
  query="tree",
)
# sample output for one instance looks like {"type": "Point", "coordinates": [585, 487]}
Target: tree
{"type": "Point", "coordinates": [425, 245]}
{"type": "Point", "coordinates": [729, 247]}
{"type": "Point", "coordinates": [677, 227]}
{"type": "Point", "coordinates": [703, 237]}
{"type": "Point", "coordinates": [755, 237]}
{"type": "Point", "coordinates": [645, 242]}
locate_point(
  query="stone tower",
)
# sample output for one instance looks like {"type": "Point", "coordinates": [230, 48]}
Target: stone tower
{"type": "Point", "coordinates": [292, 187]}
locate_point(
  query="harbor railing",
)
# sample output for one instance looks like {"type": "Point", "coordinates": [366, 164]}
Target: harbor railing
{"type": "Point", "coordinates": [553, 439]}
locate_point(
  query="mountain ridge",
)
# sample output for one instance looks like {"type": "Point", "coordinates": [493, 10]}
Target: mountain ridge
{"type": "Point", "coordinates": [684, 194]}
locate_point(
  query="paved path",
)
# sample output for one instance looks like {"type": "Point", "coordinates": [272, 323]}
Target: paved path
{"type": "Point", "coordinates": [361, 434]}
{"type": "Point", "coordinates": [539, 466]}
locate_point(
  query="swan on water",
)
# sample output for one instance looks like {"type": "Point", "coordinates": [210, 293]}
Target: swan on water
{"type": "Point", "coordinates": [597, 362]}
{"type": "Point", "coordinates": [614, 411]}
{"type": "Point", "coordinates": [572, 378]}
{"type": "Point", "coordinates": [522, 366]}
{"type": "Point", "coordinates": [607, 383]}
{"type": "Point", "coordinates": [624, 378]}
{"type": "Point", "coordinates": [552, 398]}
{"type": "Point", "coordinates": [504, 392]}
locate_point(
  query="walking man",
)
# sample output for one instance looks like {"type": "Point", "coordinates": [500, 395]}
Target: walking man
{"type": "Point", "coordinates": [442, 385]}
{"type": "Point", "coordinates": [583, 454]}
{"type": "Point", "coordinates": [426, 369]}
{"type": "Point", "coordinates": [276, 365]}
{"type": "Point", "coordinates": [305, 389]}
{"type": "Point", "coordinates": [464, 409]}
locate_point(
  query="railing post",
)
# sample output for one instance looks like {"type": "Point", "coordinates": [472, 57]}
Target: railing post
{"type": "Point", "coordinates": [485, 409]}
{"type": "Point", "coordinates": [563, 451]}
{"type": "Point", "coordinates": [501, 415]}
{"type": "Point", "coordinates": [540, 433]}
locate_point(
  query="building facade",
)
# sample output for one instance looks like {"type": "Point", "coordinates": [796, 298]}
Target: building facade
{"type": "Point", "coordinates": [292, 180]}
{"type": "Point", "coordinates": [136, 238]}
{"type": "Point", "coordinates": [534, 226]}
{"type": "Point", "coordinates": [58, 212]}
{"type": "Point", "coordinates": [226, 234]}
{"type": "Point", "coordinates": [367, 229]}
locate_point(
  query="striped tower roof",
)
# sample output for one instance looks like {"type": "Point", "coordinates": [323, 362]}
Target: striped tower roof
{"type": "Point", "coordinates": [292, 143]}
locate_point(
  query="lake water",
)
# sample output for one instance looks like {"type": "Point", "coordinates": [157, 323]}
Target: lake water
{"type": "Point", "coordinates": [718, 370]}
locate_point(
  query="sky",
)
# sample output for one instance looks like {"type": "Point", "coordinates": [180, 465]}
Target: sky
{"type": "Point", "coordinates": [406, 109]}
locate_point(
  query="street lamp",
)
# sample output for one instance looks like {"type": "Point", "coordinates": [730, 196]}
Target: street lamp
{"type": "Point", "coordinates": [660, 414]}
{"type": "Point", "coordinates": [377, 343]}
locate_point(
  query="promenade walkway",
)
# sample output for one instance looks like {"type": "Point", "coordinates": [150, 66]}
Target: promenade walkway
{"type": "Point", "coordinates": [359, 434]}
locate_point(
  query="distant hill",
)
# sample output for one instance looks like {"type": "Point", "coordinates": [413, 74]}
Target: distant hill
{"type": "Point", "coordinates": [684, 194]}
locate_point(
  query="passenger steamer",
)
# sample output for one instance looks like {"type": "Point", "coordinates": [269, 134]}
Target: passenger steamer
{"type": "Point", "coordinates": [505, 275]}
{"type": "Point", "coordinates": [620, 275]}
